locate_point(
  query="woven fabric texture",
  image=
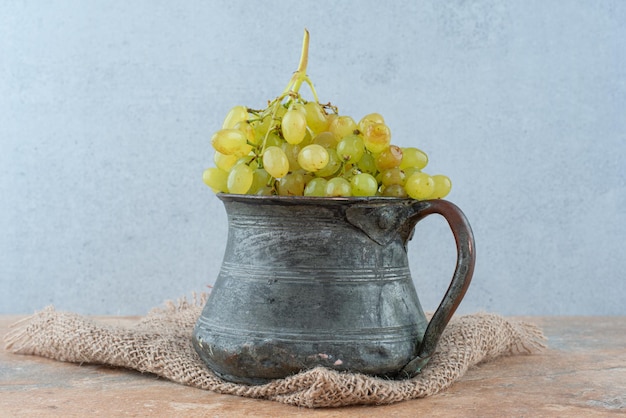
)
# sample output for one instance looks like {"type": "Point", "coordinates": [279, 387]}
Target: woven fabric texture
{"type": "Point", "coordinates": [160, 344]}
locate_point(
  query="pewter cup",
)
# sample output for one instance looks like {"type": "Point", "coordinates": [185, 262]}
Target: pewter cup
{"type": "Point", "coordinates": [309, 281]}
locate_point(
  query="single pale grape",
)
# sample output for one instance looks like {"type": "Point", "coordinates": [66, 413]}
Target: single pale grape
{"type": "Point", "coordinates": [363, 184]}
{"type": "Point", "coordinates": [394, 190]}
{"type": "Point", "coordinates": [330, 118]}
{"type": "Point", "coordinates": [367, 163]}
{"type": "Point", "coordinates": [249, 131]}
{"type": "Point", "coordinates": [369, 120]}
{"type": "Point", "coordinates": [316, 118]}
{"type": "Point", "coordinates": [230, 142]}
{"type": "Point", "coordinates": [240, 179]}
{"type": "Point", "coordinates": [342, 126]}
{"type": "Point", "coordinates": [265, 191]}
{"type": "Point", "coordinates": [419, 186]}
{"type": "Point", "coordinates": [408, 172]}
{"type": "Point", "coordinates": [260, 180]}
{"type": "Point", "coordinates": [351, 148]}
{"type": "Point", "coordinates": [262, 125]}
{"type": "Point", "coordinates": [274, 140]}
{"type": "Point", "coordinates": [293, 125]}
{"type": "Point", "coordinates": [337, 187]}
{"type": "Point", "coordinates": [280, 112]}
{"type": "Point", "coordinates": [249, 160]}
{"type": "Point", "coordinates": [224, 162]}
{"type": "Point", "coordinates": [308, 138]}
{"type": "Point", "coordinates": [443, 185]}
{"type": "Point", "coordinates": [333, 166]}
{"type": "Point", "coordinates": [235, 115]}
{"type": "Point", "coordinates": [316, 187]}
{"type": "Point", "coordinates": [313, 157]}
{"type": "Point", "coordinates": [325, 139]}
{"type": "Point", "coordinates": [216, 179]}
{"type": "Point", "coordinates": [291, 185]}
{"type": "Point", "coordinates": [275, 162]}
{"type": "Point", "coordinates": [393, 176]}
{"type": "Point", "coordinates": [292, 151]}
{"type": "Point", "coordinates": [390, 157]}
{"type": "Point", "coordinates": [268, 122]}
{"type": "Point", "coordinates": [377, 137]}
{"type": "Point", "coordinates": [307, 175]}
{"type": "Point", "coordinates": [413, 157]}
{"type": "Point", "coordinates": [296, 105]}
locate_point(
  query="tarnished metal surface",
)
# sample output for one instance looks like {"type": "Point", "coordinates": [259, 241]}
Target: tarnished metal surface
{"type": "Point", "coordinates": [314, 281]}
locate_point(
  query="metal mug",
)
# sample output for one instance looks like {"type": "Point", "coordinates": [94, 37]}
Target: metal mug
{"type": "Point", "coordinates": [310, 281]}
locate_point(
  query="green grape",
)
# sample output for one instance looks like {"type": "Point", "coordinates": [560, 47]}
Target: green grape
{"type": "Point", "coordinates": [368, 120]}
{"type": "Point", "coordinates": [333, 166]}
{"type": "Point", "coordinates": [274, 140]}
{"type": "Point", "coordinates": [408, 172]}
{"type": "Point", "coordinates": [349, 171]}
{"type": "Point", "coordinates": [390, 157]}
{"type": "Point", "coordinates": [338, 186]}
{"type": "Point", "coordinates": [308, 139]}
{"type": "Point", "coordinates": [268, 122]}
{"type": "Point", "coordinates": [313, 157]}
{"type": "Point", "coordinates": [363, 184]}
{"type": "Point", "coordinates": [376, 137]}
{"type": "Point", "coordinates": [443, 185]}
{"type": "Point", "coordinates": [275, 162]}
{"type": "Point", "coordinates": [393, 176]}
{"type": "Point", "coordinates": [325, 139]}
{"type": "Point", "coordinates": [296, 105]}
{"type": "Point", "coordinates": [224, 162]}
{"type": "Point", "coordinates": [315, 117]}
{"type": "Point", "coordinates": [249, 131]}
{"type": "Point", "coordinates": [394, 190]}
{"type": "Point", "coordinates": [307, 175]}
{"type": "Point", "coordinates": [248, 160]}
{"type": "Point", "coordinates": [260, 180]}
{"type": "Point", "coordinates": [316, 187]}
{"type": "Point", "coordinates": [350, 149]}
{"type": "Point", "coordinates": [265, 191]}
{"type": "Point", "coordinates": [342, 126]}
{"type": "Point", "coordinates": [419, 186]}
{"type": "Point", "coordinates": [367, 163]}
{"type": "Point", "coordinates": [293, 125]}
{"type": "Point", "coordinates": [413, 157]}
{"type": "Point", "coordinates": [240, 179]}
{"type": "Point", "coordinates": [261, 126]}
{"type": "Point", "coordinates": [235, 115]}
{"type": "Point", "coordinates": [280, 112]}
{"type": "Point", "coordinates": [216, 179]}
{"type": "Point", "coordinates": [291, 185]}
{"type": "Point", "coordinates": [230, 142]}
{"type": "Point", "coordinates": [292, 151]}
{"type": "Point", "coordinates": [331, 117]}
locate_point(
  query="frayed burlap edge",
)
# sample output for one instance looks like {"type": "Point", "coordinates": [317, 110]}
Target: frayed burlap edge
{"type": "Point", "coordinates": [160, 344]}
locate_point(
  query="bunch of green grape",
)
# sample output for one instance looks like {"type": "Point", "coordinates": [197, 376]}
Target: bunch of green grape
{"type": "Point", "coordinates": [296, 147]}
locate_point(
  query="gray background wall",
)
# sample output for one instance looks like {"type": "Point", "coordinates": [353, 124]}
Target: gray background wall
{"type": "Point", "coordinates": [107, 109]}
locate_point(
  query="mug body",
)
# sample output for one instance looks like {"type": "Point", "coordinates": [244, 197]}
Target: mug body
{"type": "Point", "coordinates": [302, 286]}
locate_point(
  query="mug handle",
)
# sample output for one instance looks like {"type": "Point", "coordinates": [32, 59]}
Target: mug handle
{"type": "Point", "coordinates": [466, 259]}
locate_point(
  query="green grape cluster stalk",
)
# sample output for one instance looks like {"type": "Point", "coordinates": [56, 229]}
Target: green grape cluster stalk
{"type": "Point", "coordinates": [295, 147]}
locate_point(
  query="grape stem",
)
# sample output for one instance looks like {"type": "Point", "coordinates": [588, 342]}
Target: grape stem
{"type": "Point", "coordinates": [294, 85]}
{"type": "Point", "coordinates": [300, 75]}
{"type": "Point", "coordinates": [304, 54]}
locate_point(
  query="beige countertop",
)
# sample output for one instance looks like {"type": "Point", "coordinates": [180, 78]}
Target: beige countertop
{"type": "Point", "coordinates": [583, 373]}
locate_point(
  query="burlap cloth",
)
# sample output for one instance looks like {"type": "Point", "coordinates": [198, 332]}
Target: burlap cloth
{"type": "Point", "coordinates": [160, 343]}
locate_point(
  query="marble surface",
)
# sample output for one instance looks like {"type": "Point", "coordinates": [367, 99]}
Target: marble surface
{"type": "Point", "coordinates": [583, 373]}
